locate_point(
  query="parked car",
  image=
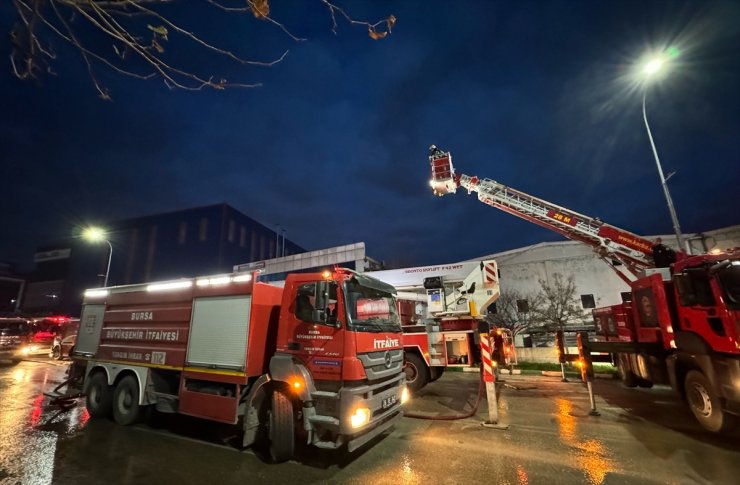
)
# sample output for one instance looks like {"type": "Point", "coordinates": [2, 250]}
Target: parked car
{"type": "Point", "coordinates": [65, 340]}
{"type": "Point", "coordinates": [44, 330]}
{"type": "Point", "coordinates": [16, 335]}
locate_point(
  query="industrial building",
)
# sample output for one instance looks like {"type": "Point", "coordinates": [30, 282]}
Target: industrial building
{"type": "Point", "coordinates": [185, 243]}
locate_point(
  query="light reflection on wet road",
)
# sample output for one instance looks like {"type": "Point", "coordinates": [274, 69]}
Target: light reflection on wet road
{"type": "Point", "coordinates": [643, 437]}
{"type": "Point", "coordinates": [27, 442]}
{"type": "Point", "coordinates": [591, 454]}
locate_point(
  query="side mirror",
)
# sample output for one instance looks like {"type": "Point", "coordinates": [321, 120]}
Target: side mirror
{"type": "Point", "coordinates": [685, 289]}
{"type": "Point", "coordinates": [319, 315]}
{"type": "Point", "coordinates": [322, 293]}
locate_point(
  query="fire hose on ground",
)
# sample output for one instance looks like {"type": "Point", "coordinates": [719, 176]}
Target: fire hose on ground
{"type": "Point", "coordinates": [470, 413]}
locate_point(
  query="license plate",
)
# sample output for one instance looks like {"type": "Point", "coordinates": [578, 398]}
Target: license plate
{"type": "Point", "coordinates": [389, 401]}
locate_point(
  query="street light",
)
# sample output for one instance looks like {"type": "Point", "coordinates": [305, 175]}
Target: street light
{"type": "Point", "coordinates": [96, 235]}
{"type": "Point", "coordinates": [649, 72]}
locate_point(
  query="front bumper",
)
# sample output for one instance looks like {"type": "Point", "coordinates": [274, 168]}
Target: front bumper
{"type": "Point", "coordinates": [382, 399]}
{"type": "Point", "coordinates": [380, 427]}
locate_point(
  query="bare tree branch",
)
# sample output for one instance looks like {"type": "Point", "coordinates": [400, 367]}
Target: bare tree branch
{"type": "Point", "coordinates": [201, 41]}
{"type": "Point", "coordinates": [560, 306]}
{"type": "Point", "coordinates": [125, 21]}
{"type": "Point", "coordinates": [518, 312]}
{"type": "Point", "coordinates": [372, 28]}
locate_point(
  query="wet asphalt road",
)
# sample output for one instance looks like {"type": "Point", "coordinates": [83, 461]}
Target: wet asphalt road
{"type": "Point", "coordinates": [642, 436]}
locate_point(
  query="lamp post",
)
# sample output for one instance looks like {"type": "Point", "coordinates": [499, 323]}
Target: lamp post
{"type": "Point", "coordinates": [283, 250]}
{"type": "Point", "coordinates": [96, 235]}
{"type": "Point", "coordinates": [650, 69]}
{"type": "Point", "coordinates": [277, 240]}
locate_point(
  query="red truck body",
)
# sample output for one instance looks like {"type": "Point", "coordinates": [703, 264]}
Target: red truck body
{"type": "Point", "coordinates": [225, 348]}
{"type": "Point", "coordinates": [682, 328]}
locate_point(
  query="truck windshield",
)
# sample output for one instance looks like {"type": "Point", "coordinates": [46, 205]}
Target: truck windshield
{"type": "Point", "coordinates": [729, 278]}
{"type": "Point", "coordinates": [370, 310]}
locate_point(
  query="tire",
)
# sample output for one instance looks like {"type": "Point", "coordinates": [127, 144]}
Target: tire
{"type": "Point", "coordinates": [435, 373]}
{"type": "Point", "coordinates": [417, 372]}
{"type": "Point", "coordinates": [126, 408]}
{"type": "Point", "coordinates": [628, 378]}
{"type": "Point", "coordinates": [644, 383]}
{"type": "Point", "coordinates": [705, 404]}
{"type": "Point", "coordinates": [99, 396]}
{"type": "Point", "coordinates": [282, 428]}
{"type": "Point", "coordinates": [56, 353]}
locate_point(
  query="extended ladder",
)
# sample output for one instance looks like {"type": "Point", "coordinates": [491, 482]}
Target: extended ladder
{"type": "Point", "coordinates": [627, 253]}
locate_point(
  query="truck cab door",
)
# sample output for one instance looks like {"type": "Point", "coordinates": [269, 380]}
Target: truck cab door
{"type": "Point", "coordinates": [700, 311]}
{"type": "Point", "coordinates": [314, 327]}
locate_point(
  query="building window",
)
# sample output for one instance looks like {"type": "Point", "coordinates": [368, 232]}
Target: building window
{"type": "Point", "coordinates": [232, 231]}
{"type": "Point", "coordinates": [253, 249]}
{"type": "Point", "coordinates": [242, 236]}
{"type": "Point", "coordinates": [522, 306]}
{"type": "Point", "coordinates": [182, 233]}
{"type": "Point", "coordinates": [203, 236]}
{"type": "Point", "coordinates": [626, 296]}
{"type": "Point", "coordinates": [587, 301]}
{"type": "Point", "coordinates": [151, 252]}
{"type": "Point", "coordinates": [492, 310]}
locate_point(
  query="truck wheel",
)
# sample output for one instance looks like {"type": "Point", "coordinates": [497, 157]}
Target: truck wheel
{"type": "Point", "coordinates": [282, 429]}
{"type": "Point", "coordinates": [417, 372]}
{"type": "Point", "coordinates": [126, 409]}
{"type": "Point", "coordinates": [705, 403]}
{"type": "Point", "coordinates": [99, 396]}
{"type": "Point", "coordinates": [628, 378]}
{"type": "Point", "coordinates": [435, 373]}
{"type": "Point", "coordinates": [644, 383]}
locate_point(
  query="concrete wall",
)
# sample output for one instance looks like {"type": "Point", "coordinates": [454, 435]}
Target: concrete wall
{"type": "Point", "coordinates": [725, 238]}
{"type": "Point", "coordinates": [522, 270]}
{"type": "Point", "coordinates": [540, 355]}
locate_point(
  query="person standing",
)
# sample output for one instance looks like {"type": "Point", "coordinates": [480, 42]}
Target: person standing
{"type": "Point", "coordinates": [663, 256]}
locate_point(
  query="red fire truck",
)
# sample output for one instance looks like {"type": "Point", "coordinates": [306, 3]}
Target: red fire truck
{"type": "Point", "coordinates": [681, 326]}
{"type": "Point", "coordinates": [440, 307]}
{"type": "Point", "coordinates": [319, 359]}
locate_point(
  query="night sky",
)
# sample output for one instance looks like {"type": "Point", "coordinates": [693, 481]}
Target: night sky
{"type": "Point", "coordinates": [333, 146]}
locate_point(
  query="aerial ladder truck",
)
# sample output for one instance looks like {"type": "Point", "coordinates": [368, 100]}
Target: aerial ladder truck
{"type": "Point", "coordinates": [440, 308]}
{"type": "Point", "coordinates": [682, 324]}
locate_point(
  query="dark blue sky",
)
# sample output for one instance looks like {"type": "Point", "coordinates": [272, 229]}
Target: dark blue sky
{"type": "Point", "coordinates": [334, 145]}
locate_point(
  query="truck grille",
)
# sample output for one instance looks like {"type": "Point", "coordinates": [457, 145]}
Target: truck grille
{"type": "Point", "coordinates": [382, 364]}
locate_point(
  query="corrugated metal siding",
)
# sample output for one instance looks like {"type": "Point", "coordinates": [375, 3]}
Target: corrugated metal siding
{"type": "Point", "coordinates": [91, 322]}
{"type": "Point", "coordinates": [218, 332]}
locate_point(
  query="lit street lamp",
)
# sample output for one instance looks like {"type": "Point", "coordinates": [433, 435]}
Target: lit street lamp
{"type": "Point", "coordinates": [95, 235]}
{"type": "Point", "coordinates": [650, 70]}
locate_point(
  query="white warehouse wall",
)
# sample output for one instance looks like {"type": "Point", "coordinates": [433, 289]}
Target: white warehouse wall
{"type": "Point", "coordinates": [522, 268]}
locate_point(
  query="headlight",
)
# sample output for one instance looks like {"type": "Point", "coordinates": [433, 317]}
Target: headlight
{"type": "Point", "coordinates": [360, 418]}
{"type": "Point", "coordinates": [404, 395]}
{"type": "Point", "coordinates": [26, 350]}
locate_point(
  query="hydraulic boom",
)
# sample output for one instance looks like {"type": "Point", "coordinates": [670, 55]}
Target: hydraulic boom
{"type": "Point", "coordinates": [627, 253]}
